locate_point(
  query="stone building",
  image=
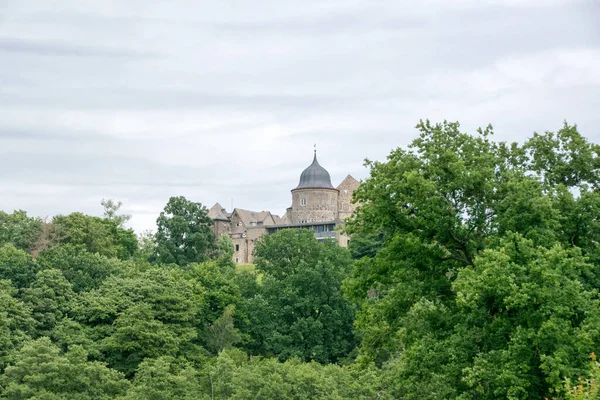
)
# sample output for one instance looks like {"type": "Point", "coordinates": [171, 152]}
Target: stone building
{"type": "Point", "coordinates": [316, 205]}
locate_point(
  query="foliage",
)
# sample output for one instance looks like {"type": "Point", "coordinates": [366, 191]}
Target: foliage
{"type": "Point", "coordinates": [184, 233]}
{"type": "Point", "coordinates": [16, 323]}
{"type": "Point", "coordinates": [49, 297]}
{"type": "Point", "coordinates": [234, 376]}
{"type": "Point", "coordinates": [300, 310]}
{"type": "Point", "coordinates": [166, 378]}
{"type": "Point", "coordinates": [97, 235]}
{"type": "Point", "coordinates": [222, 334]}
{"type": "Point", "coordinates": [111, 209]}
{"type": "Point", "coordinates": [43, 372]}
{"type": "Point", "coordinates": [365, 244]}
{"type": "Point", "coordinates": [17, 266]}
{"type": "Point", "coordinates": [84, 270]}
{"type": "Point", "coordinates": [146, 245]}
{"type": "Point", "coordinates": [586, 389]}
{"type": "Point", "coordinates": [19, 229]}
{"type": "Point", "coordinates": [472, 273]}
{"type": "Point", "coordinates": [484, 287]}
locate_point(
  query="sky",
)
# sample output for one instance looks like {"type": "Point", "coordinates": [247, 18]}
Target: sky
{"type": "Point", "coordinates": [224, 100]}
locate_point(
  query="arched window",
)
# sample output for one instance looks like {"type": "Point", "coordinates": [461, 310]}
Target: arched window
{"type": "Point", "coordinates": [303, 202]}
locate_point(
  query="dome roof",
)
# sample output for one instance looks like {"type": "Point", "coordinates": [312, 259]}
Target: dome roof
{"type": "Point", "coordinates": [315, 177]}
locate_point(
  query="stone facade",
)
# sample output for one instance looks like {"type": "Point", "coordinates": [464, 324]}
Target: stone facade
{"type": "Point", "coordinates": [316, 205]}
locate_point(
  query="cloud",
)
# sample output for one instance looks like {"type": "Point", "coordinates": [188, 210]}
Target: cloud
{"type": "Point", "coordinates": [142, 100]}
{"type": "Point", "coordinates": [37, 48]}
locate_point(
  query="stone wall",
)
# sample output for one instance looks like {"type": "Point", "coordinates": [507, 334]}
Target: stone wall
{"type": "Point", "coordinates": [346, 188]}
{"type": "Point", "coordinates": [321, 205]}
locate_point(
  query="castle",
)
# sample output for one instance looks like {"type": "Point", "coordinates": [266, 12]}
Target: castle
{"type": "Point", "coordinates": [316, 205]}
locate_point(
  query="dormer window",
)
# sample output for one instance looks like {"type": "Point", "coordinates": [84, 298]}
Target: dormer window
{"type": "Point", "coordinates": [303, 202]}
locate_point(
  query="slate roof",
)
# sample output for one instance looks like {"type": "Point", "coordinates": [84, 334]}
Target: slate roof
{"type": "Point", "coordinates": [251, 218]}
{"type": "Point", "coordinates": [217, 212]}
{"type": "Point", "coordinates": [315, 177]}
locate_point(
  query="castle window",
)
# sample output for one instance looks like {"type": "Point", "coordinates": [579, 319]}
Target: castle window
{"type": "Point", "coordinates": [237, 260]}
{"type": "Point", "coordinates": [303, 202]}
{"type": "Point", "coordinates": [237, 247]}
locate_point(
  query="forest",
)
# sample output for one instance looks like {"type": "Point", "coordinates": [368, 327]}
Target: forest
{"type": "Point", "coordinates": [473, 273]}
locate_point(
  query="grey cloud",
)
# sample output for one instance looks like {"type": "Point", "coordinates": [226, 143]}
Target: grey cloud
{"type": "Point", "coordinates": [218, 100]}
{"type": "Point", "coordinates": [39, 48]}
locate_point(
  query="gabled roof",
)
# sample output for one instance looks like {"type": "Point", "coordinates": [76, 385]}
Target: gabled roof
{"type": "Point", "coordinates": [278, 220]}
{"type": "Point", "coordinates": [251, 218]}
{"type": "Point", "coordinates": [349, 181]}
{"type": "Point", "coordinates": [217, 212]}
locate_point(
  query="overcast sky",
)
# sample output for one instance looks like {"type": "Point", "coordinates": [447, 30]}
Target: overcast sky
{"type": "Point", "coordinates": [220, 100]}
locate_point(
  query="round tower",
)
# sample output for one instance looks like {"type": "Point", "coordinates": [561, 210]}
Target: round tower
{"type": "Point", "coordinates": [314, 199]}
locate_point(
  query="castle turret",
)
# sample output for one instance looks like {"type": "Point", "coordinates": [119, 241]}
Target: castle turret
{"type": "Point", "coordinates": [314, 199]}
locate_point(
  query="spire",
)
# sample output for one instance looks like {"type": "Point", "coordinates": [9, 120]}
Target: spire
{"type": "Point", "coordinates": [315, 176]}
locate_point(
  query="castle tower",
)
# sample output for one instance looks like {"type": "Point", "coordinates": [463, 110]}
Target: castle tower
{"type": "Point", "coordinates": [314, 199]}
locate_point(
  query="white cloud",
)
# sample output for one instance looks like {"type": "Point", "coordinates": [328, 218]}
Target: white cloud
{"type": "Point", "coordinates": [142, 100]}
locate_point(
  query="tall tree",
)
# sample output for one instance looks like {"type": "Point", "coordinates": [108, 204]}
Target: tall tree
{"type": "Point", "coordinates": [19, 229]}
{"type": "Point", "coordinates": [480, 289]}
{"type": "Point", "coordinates": [300, 310]}
{"type": "Point", "coordinates": [41, 371]}
{"type": "Point", "coordinates": [184, 233]}
{"type": "Point", "coordinates": [98, 235]}
{"type": "Point", "coordinates": [111, 212]}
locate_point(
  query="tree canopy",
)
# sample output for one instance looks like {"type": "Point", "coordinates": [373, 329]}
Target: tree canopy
{"type": "Point", "coordinates": [184, 233]}
{"type": "Point", "coordinates": [487, 284]}
{"type": "Point", "coordinates": [473, 272]}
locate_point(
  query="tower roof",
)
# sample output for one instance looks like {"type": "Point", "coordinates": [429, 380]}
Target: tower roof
{"type": "Point", "coordinates": [315, 177]}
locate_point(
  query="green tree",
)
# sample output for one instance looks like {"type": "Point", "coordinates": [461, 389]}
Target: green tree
{"type": "Point", "coordinates": [82, 269]}
{"type": "Point", "coordinates": [138, 335]}
{"type": "Point", "coordinates": [300, 311]}
{"type": "Point", "coordinates": [17, 266]}
{"type": "Point", "coordinates": [98, 235]}
{"type": "Point", "coordinates": [222, 334]}
{"type": "Point", "coordinates": [111, 209]}
{"type": "Point", "coordinates": [19, 229]}
{"type": "Point", "coordinates": [16, 323]}
{"type": "Point", "coordinates": [146, 314]}
{"type": "Point", "coordinates": [166, 378]}
{"type": "Point", "coordinates": [146, 245]}
{"type": "Point", "coordinates": [232, 375]}
{"type": "Point", "coordinates": [49, 297]}
{"type": "Point", "coordinates": [483, 287]}
{"type": "Point", "coordinates": [43, 372]}
{"type": "Point", "coordinates": [184, 233]}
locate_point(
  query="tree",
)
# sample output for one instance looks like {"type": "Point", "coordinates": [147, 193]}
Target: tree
{"type": "Point", "coordinates": [166, 378]}
{"type": "Point", "coordinates": [300, 311]}
{"type": "Point", "coordinates": [184, 233]}
{"type": "Point", "coordinates": [232, 375]}
{"type": "Point", "coordinates": [16, 323]}
{"type": "Point", "coordinates": [17, 266]}
{"type": "Point", "coordinates": [98, 235]}
{"type": "Point", "coordinates": [49, 297]}
{"type": "Point", "coordinates": [144, 314]}
{"type": "Point", "coordinates": [111, 209]}
{"type": "Point", "coordinates": [146, 245]}
{"type": "Point", "coordinates": [221, 334]}
{"type": "Point", "coordinates": [82, 269]}
{"type": "Point", "coordinates": [19, 229]}
{"type": "Point", "coordinates": [43, 372]}
{"type": "Point", "coordinates": [483, 287]}
{"type": "Point", "coordinates": [138, 335]}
